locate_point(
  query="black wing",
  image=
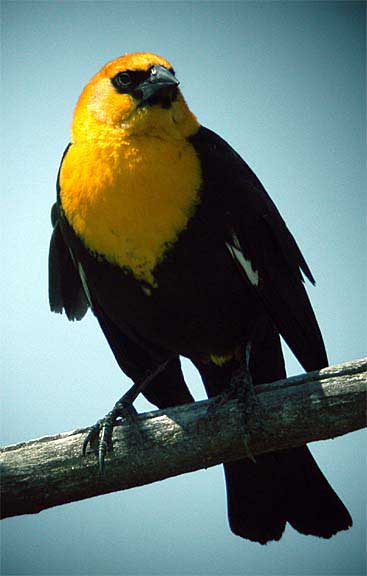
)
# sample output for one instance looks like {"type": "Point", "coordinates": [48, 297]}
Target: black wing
{"type": "Point", "coordinates": [265, 250]}
{"type": "Point", "coordinates": [65, 289]}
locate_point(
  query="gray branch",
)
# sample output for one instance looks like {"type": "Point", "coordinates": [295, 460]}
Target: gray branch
{"type": "Point", "coordinates": [50, 471]}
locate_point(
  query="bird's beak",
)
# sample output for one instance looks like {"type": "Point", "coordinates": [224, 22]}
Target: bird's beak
{"type": "Point", "coordinates": [159, 78]}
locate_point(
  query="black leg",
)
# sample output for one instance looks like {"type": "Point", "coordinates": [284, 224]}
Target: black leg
{"type": "Point", "coordinates": [240, 385]}
{"type": "Point", "coordinates": [99, 437]}
{"type": "Point", "coordinates": [241, 388]}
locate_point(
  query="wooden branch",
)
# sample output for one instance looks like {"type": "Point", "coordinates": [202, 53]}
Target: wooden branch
{"type": "Point", "coordinates": [51, 471]}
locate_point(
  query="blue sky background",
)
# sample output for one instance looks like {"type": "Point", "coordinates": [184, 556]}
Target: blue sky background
{"type": "Point", "coordinates": [284, 83]}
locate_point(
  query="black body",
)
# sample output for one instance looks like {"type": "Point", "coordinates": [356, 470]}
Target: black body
{"type": "Point", "coordinates": [203, 305]}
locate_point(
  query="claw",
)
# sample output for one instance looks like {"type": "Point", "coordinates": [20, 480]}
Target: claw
{"type": "Point", "coordinates": [92, 437]}
{"type": "Point", "coordinates": [105, 443]}
{"type": "Point", "coordinates": [99, 437]}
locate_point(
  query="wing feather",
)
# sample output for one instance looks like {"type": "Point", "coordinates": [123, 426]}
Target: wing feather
{"type": "Point", "coordinates": [66, 292]}
{"type": "Point", "coordinates": [263, 247]}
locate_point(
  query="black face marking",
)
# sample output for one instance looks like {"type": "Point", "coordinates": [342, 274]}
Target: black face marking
{"type": "Point", "coordinates": [130, 81]}
{"type": "Point", "coordinates": [126, 82]}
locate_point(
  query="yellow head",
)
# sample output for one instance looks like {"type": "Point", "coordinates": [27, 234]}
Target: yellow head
{"type": "Point", "coordinates": [131, 95]}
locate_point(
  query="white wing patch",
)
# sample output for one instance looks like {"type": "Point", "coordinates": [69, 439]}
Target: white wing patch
{"type": "Point", "coordinates": [246, 265]}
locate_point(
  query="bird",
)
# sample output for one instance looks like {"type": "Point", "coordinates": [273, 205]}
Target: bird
{"type": "Point", "coordinates": [168, 236]}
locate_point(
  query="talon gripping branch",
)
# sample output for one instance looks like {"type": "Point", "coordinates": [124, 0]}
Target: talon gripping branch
{"type": "Point", "coordinates": [169, 237]}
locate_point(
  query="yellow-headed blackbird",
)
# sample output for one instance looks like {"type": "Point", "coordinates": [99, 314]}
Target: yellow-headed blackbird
{"type": "Point", "coordinates": [169, 237]}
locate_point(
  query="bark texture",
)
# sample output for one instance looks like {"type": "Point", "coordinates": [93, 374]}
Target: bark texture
{"type": "Point", "coordinates": [318, 405]}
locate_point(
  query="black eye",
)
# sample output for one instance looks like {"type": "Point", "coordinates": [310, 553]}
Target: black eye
{"type": "Point", "coordinates": [123, 79]}
{"type": "Point", "coordinates": [125, 82]}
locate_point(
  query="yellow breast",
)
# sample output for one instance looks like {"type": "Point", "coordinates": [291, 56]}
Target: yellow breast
{"type": "Point", "coordinates": [129, 201]}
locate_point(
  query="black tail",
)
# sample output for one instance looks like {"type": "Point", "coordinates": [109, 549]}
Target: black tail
{"type": "Point", "coordinates": [285, 486]}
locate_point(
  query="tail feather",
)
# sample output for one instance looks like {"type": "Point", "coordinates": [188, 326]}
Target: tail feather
{"type": "Point", "coordinates": [285, 486]}
{"type": "Point", "coordinates": [312, 505]}
{"type": "Point", "coordinates": [255, 509]}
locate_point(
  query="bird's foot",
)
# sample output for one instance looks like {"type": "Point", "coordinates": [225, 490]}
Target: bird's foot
{"type": "Point", "coordinates": [240, 388]}
{"type": "Point", "coordinates": [99, 437]}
